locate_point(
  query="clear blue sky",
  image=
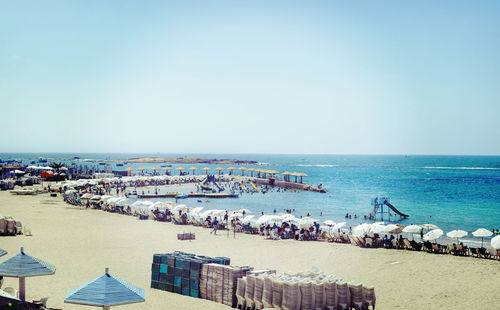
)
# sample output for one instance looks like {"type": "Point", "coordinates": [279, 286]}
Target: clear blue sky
{"type": "Point", "coordinates": [349, 77]}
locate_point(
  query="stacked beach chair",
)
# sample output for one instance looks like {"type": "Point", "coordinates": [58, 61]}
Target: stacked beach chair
{"type": "Point", "coordinates": [218, 282]}
{"type": "Point", "coordinates": [301, 291]}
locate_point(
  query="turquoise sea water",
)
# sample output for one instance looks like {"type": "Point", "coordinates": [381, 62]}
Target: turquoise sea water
{"type": "Point", "coordinates": [452, 192]}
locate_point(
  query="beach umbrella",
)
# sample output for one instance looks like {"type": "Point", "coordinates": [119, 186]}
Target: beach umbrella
{"type": "Point", "coordinates": [154, 169]}
{"type": "Point", "coordinates": [412, 229]}
{"type": "Point", "coordinates": [301, 174]}
{"type": "Point", "coordinates": [23, 265]}
{"type": "Point", "coordinates": [482, 232]}
{"type": "Point", "coordinates": [179, 169]}
{"type": "Point", "coordinates": [495, 242]}
{"type": "Point", "coordinates": [393, 229]}
{"type": "Point", "coordinates": [2, 252]}
{"type": "Point", "coordinates": [329, 223]}
{"type": "Point", "coordinates": [219, 169]}
{"type": "Point", "coordinates": [193, 169]}
{"type": "Point", "coordinates": [457, 234]}
{"type": "Point", "coordinates": [242, 170]}
{"type": "Point", "coordinates": [286, 176]}
{"type": "Point", "coordinates": [433, 234]}
{"type": "Point", "coordinates": [166, 169]}
{"type": "Point", "coordinates": [361, 230]}
{"type": "Point", "coordinates": [338, 226]}
{"type": "Point", "coordinates": [251, 171]}
{"type": "Point", "coordinates": [306, 222]}
{"type": "Point", "coordinates": [231, 169]}
{"type": "Point", "coordinates": [377, 229]}
{"type": "Point", "coordinates": [429, 226]}
{"type": "Point", "coordinates": [105, 291]}
{"type": "Point", "coordinates": [206, 169]}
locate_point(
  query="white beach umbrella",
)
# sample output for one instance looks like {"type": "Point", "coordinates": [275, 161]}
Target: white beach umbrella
{"type": "Point", "coordinates": [248, 219]}
{"type": "Point", "coordinates": [457, 233]}
{"type": "Point", "coordinates": [361, 230]}
{"type": "Point", "coordinates": [412, 229]}
{"type": "Point", "coordinates": [338, 226]}
{"type": "Point", "coordinates": [377, 229]}
{"type": "Point", "coordinates": [433, 234]}
{"type": "Point", "coordinates": [329, 223]}
{"type": "Point", "coordinates": [87, 196]}
{"type": "Point", "coordinates": [482, 232]}
{"type": "Point", "coordinates": [392, 228]}
{"type": "Point", "coordinates": [495, 242]}
{"type": "Point", "coordinates": [234, 215]}
{"type": "Point", "coordinates": [429, 226]}
{"type": "Point", "coordinates": [306, 222]}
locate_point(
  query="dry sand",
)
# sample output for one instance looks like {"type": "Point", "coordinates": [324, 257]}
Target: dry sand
{"type": "Point", "coordinates": [81, 243]}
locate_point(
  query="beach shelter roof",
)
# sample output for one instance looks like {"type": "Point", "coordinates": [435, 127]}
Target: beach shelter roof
{"type": "Point", "coordinates": [23, 265]}
{"type": "Point", "coordinates": [166, 168]}
{"type": "Point", "coordinates": [206, 168]}
{"type": "Point", "coordinates": [154, 168]}
{"type": "Point", "coordinates": [105, 291]}
{"type": "Point", "coordinates": [193, 168]}
{"type": "Point", "coordinates": [142, 168]}
{"type": "Point", "coordinates": [179, 168]}
{"type": "Point", "coordinates": [286, 173]}
{"type": "Point", "coordinates": [219, 168]}
{"type": "Point", "coordinates": [130, 168]}
{"type": "Point", "coordinates": [2, 252]}
{"type": "Point", "coordinates": [231, 168]}
{"type": "Point", "coordinates": [251, 169]}
{"type": "Point", "coordinates": [242, 168]}
{"type": "Point", "coordinates": [301, 174]}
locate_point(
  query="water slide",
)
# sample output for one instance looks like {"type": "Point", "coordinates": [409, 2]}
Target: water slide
{"type": "Point", "coordinates": [204, 186]}
{"type": "Point", "coordinates": [253, 185]}
{"type": "Point", "coordinates": [218, 186]}
{"type": "Point", "coordinates": [396, 210]}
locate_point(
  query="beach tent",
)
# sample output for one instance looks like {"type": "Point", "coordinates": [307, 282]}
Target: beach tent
{"type": "Point", "coordinates": [105, 291]}
{"type": "Point", "coordinates": [2, 252]}
{"type": "Point", "coordinates": [23, 265]}
{"type": "Point", "coordinates": [482, 232]}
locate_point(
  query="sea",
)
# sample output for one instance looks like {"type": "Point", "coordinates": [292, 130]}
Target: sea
{"type": "Point", "coordinates": [452, 192]}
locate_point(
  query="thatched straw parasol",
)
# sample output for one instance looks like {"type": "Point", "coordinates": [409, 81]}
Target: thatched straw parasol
{"type": "Point", "coordinates": [193, 169]}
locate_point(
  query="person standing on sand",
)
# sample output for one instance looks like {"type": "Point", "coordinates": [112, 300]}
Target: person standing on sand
{"type": "Point", "coordinates": [214, 226]}
{"type": "Point", "coordinates": [422, 233]}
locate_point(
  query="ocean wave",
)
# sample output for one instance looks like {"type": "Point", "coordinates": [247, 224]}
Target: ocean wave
{"type": "Point", "coordinates": [460, 168]}
{"type": "Point", "coordinates": [319, 165]}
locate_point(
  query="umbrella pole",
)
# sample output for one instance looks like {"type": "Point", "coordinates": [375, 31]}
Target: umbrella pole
{"type": "Point", "coordinates": [22, 288]}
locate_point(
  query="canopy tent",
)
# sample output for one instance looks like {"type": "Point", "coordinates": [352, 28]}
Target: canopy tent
{"type": "Point", "coordinates": [105, 291]}
{"type": "Point", "coordinates": [23, 265]}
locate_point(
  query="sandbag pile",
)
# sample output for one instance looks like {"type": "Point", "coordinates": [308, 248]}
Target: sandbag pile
{"type": "Point", "coordinates": [301, 291]}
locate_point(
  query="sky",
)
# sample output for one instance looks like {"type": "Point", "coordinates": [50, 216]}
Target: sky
{"type": "Point", "coordinates": [285, 77]}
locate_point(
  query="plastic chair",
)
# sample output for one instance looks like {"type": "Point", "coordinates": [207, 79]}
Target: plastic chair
{"type": "Point", "coordinates": [369, 297]}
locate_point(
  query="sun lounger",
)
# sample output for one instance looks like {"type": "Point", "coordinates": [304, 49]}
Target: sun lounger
{"type": "Point", "coordinates": [346, 239]}
{"type": "Point", "coordinates": [483, 253]}
{"type": "Point", "coordinates": [415, 246]}
{"type": "Point", "coordinates": [474, 252]}
{"type": "Point", "coordinates": [407, 244]}
{"type": "Point", "coordinates": [460, 250]}
{"type": "Point", "coordinates": [337, 237]}
{"type": "Point", "coordinates": [343, 295]}
{"type": "Point", "coordinates": [379, 242]}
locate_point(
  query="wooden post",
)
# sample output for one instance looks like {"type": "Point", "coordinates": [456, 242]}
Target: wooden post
{"type": "Point", "coordinates": [22, 288]}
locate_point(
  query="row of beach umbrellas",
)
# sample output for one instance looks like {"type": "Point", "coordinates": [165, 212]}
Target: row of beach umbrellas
{"type": "Point", "coordinates": [104, 291]}
{"type": "Point", "coordinates": [242, 169]}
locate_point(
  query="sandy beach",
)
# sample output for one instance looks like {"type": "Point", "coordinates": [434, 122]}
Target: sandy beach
{"type": "Point", "coordinates": [82, 242]}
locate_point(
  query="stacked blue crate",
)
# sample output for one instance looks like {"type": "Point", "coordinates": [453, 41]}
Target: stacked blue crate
{"type": "Point", "coordinates": [179, 272]}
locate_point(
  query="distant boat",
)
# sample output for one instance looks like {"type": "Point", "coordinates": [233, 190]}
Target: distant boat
{"type": "Point", "coordinates": [119, 164]}
{"type": "Point", "coordinates": [42, 160]}
{"type": "Point", "coordinates": [102, 164]}
{"type": "Point", "coordinates": [166, 166]}
{"type": "Point", "coordinates": [76, 157]}
{"type": "Point", "coordinates": [181, 196]}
